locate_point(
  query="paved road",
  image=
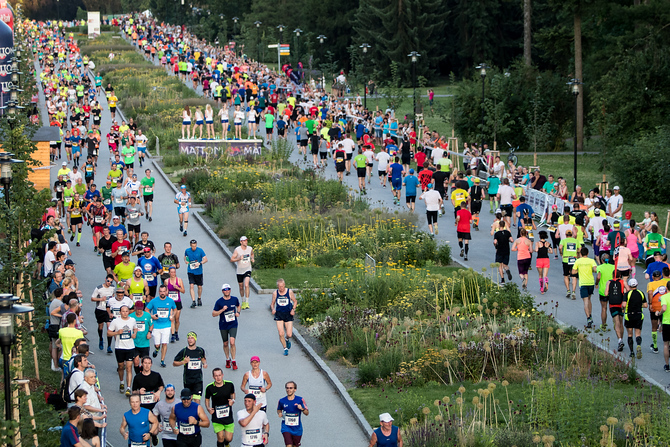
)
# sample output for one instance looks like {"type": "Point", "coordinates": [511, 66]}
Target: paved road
{"type": "Point", "coordinates": [328, 419]}
{"type": "Point", "coordinates": [482, 255]}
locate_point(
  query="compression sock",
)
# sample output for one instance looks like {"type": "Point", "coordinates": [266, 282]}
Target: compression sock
{"type": "Point", "coordinates": [109, 341]}
{"type": "Point", "coordinates": [467, 249]}
{"type": "Point", "coordinates": [100, 334]}
{"type": "Point", "coordinates": [630, 343]}
{"type": "Point", "coordinates": [220, 444]}
{"type": "Point", "coordinates": [476, 219]}
{"type": "Point", "coordinates": [460, 244]}
{"type": "Point", "coordinates": [541, 283]}
{"type": "Point", "coordinates": [79, 236]}
{"type": "Point", "coordinates": [638, 340]}
{"type": "Point", "coordinates": [654, 338]}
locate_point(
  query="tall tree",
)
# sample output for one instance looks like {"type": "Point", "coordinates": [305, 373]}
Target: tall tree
{"type": "Point", "coordinates": [527, 23]}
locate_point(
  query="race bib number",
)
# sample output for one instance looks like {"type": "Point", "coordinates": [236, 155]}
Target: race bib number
{"type": "Point", "coordinates": [222, 411]}
{"type": "Point", "coordinates": [108, 253]}
{"type": "Point", "coordinates": [140, 328]}
{"type": "Point", "coordinates": [256, 391]}
{"type": "Point", "coordinates": [59, 188]}
{"type": "Point", "coordinates": [89, 169]}
{"type": "Point", "coordinates": [134, 215]}
{"type": "Point", "coordinates": [552, 228]}
{"type": "Point", "coordinates": [163, 313]}
{"type": "Point", "coordinates": [339, 160]}
{"type": "Point", "coordinates": [149, 276]}
{"type": "Point", "coordinates": [229, 316]}
{"type": "Point", "coordinates": [68, 201]}
{"type": "Point", "coordinates": [118, 201]}
{"type": "Point", "coordinates": [183, 208]}
{"type": "Point", "coordinates": [291, 419]}
{"type": "Point", "coordinates": [98, 219]}
{"type": "Point", "coordinates": [147, 399]}
{"type": "Point", "coordinates": [186, 429]}
{"type": "Point", "coordinates": [282, 302]}
{"type": "Point", "coordinates": [148, 189]}
{"type": "Point", "coordinates": [194, 364]}
{"type": "Point", "coordinates": [194, 265]}
{"type": "Point", "coordinates": [571, 260]}
{"type": "Point", "coordinates": [125, 335]}
{"type": "Point", "coordinates": [653, 244]}
{"type": "Point", "coordinates": [571, 246]}
{"type": "Point", "coordinates": [252, 437]}
{"type": "Point", "coordinates": [165, 425]}
{"type": "Point", "coordinates": [173, 295]}
{"type": "Point", "coordinates": [116, 312]}
{"type": "Point", "coordinates": [137, 297]}
{"type": "Point", "coordinates": [138, 444]}
{"type": "Point", "coordinates": [106, 202]}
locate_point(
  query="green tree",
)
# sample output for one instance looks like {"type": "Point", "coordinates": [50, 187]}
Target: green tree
{"type": "Point", "coordinates": [537, 125]}
{"type": "Point", "coordinates": [496, 111]}
{"type": "Point", "coordinates": [393, 92]}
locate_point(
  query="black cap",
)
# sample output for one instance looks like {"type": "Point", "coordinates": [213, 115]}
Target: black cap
{"type": "Point", "coordinates": [126, 253]}
{"type": "Point", "coordinates": [186, 393]}
{"type": "Point", "coordinates": [69, 262]}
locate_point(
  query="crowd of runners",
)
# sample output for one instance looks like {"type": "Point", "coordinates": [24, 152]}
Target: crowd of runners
{"type": "Point", "coordinates": [139, 302]}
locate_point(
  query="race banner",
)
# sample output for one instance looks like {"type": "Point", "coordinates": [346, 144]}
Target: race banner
{"type": "Point", "coordinates": [221, 148]}
{"type": "Point", "coordinates": [93, 24]}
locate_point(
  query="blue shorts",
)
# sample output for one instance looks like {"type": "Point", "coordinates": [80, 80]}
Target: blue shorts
{"type": "Point", "coordinates": [198, 123]}
{"type": "Point", "coordinates": [586, 291]}
{"type": "Point", "coordinates": [209, 122]}
{"type": "Point", "coordinates": [142, 149]}
{"type": "Point", "coordinates": [186, 123]}
{"type": "Point", "coordinates": [224, 121]}
{"type": "Point", "coordinates": [76, 149]}
{"type": "Point", "coordinates": [396, 183]}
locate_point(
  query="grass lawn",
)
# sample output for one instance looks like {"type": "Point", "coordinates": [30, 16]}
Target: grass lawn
{"type": "Point", "coordinates": [314, 277]}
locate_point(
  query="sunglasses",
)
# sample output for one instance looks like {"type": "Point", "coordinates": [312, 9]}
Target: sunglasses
{"type": "Point", "coordinates": [290, 388]}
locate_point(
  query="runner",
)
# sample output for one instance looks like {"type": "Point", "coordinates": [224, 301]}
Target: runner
{"type": "Point", "coordinates": [183, 201]}
{"type": "Point", "coordinates": [151, 269]}
{"type": "Point", "coordinates": [137, 287]}
{"type": "Point", "coordinates": [124, 329]}
{"type": "Point", "coordinates": [147, 187]}
{"type": "Point", "coordinates": [101, 295]}
{"type": "Point", "coordinates": [665, 315]}
{"type": "Point", "coordinates": [227, 308]}
{"type": "Point", "coordinates": [195, 257]}
{"type": "Point", "coordinates": [476, 194]}
{"type": "Point", "coordinates": [192, 358]}
{"type": "Point", "coordinates": [148, 385]}
{"type": "Point", "coordinates": [433, 201]}
{"type": "Point", "coordinates": [524, 248]}
{"type": "Point", "coordinates": [243, 255]}
{"type": "Point", "coordinates": [76, 217]}
{"type": "Point", "coordinates": [138, 425]}
{"type": "Point", "coordinates": [361, 162]}
{"type": "Point", "coordinates": [186, 420]}
{"type": "Point", "coordinates": [655, 305]}
{"type": "Point", "coordinates": [290, 409]}
{"type": "Point", "coordinates": [162, 312]}
{"type": "Point", "coordinates": [133, 212]}
{"type": "Point", "coordinates": [175, 287]}
{"type": "Point", "coordinates": [411, 183]}
{"type": "Point", "coordinates": [283, 307]}
{"type": "Point", "coordinates": [383, 159]}
{"type": "Point", "coordinates": [569, 247]}
{"type": "Point", "coordinates": [501, 240]}
{"type": "Point", "coordinates": [614, 292]}
{"type": "Point", "coordinates": [219, 400]}
{"type": "Point", "coordinates": [505, 196]}
{"type": "Point", "coordinates": [604, 274]}
{"type": "Point", "coordinates": [257, 382]}
{"type": "Point", "coordinates": [162, 411]}
{"type": "Point", "coordinates": [543, 248]}
{"type": "Point", "coordinates": [99, 217]}
{"type": "Point", "coordinates": [145, 327]}
{"type": "Point", "coordinates": [340, 161]}
{"type": "Point", "coordinates": [141, 141]}
{"type": "Point", "coordinates": [167, 260]}
{"type": "Point", "coordinates": [463, 219]}
{"type": "Point", "coordinates": [585, 267]}
{"type": "Point", "coordinates": [254, 423]}
{"type": "Point", "coordinates": [388, 435]}
{"type": "Point", "coordinates": [633, 304]}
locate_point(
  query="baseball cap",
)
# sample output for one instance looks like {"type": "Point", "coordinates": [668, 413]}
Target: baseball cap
{"type": "Point", "coordinates": [662, 290]}
{"type": "Point", "coordinates": [596, 212]}
{"type": "Point", "coordinates": [126, 253]}
{"type": "Point", "coordinates": [243, 238]}
{"type": "Point", "coordinates": [476, 180]}
{"type": "Point", "coordinates": [116, 217]}
{"type": "Point", "coordinates": [186, 393]}
{"type": "Point", "coordinates": [255, 359]}
{"type": "Point", "coordinates": [616, 187]}
{"type": "Point", "coordinates": [616, 225]}
{"type": "Point", "coordinates": [139, 305]}
{"type": "Point", "coordinates": [498, 210]}
{"type": "Point", "coordinates": [632, 282]}
{"type": "Point", "coordinates": [147, 249]}
{"type": "Point", "coordinates": [183, 186]}
{"type": "Point", "coordinates": [226, 286]}
{"type": "Point", "coordinates": [193, 241]}
{"type": "Point", "coordinates": [411, 171]}
{"type": "Point", "coordinates": [385, 417]}
{"type": "Point", "coordinates": [137, 268]}
{"type": "Point", "coordinates": [70, 262]}
{"type": "Point", "coordinates": [554, 207]}
{"type": "Point", "coordinates": [169, 385]}
{"type": "Point", "coordinates": [109, 182]}
{"type": "Point", "coordinates": [65, 163]}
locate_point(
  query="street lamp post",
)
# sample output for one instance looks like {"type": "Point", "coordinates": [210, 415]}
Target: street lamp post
{"type": "Point", "coordinates": [322, 38]}
{"type": "Point", "coordinates": [482, 72]}
{"type": "Point", "coordinates": [365, 47]}
{"type": "Point", "coordinates": [258, 35]}
{"type": "Point", "coordinates": [6, 162]}
{"type": "Point", "coordinates": [297, 32]}
{"type": "Point", "coordinates": [281, 33]}
{"type": "Point", "coordinates": [8, 308]}
{"type": "Point", "coordinates": [574, 84]}
{"type": "Point", "coordinates": [415, 57]}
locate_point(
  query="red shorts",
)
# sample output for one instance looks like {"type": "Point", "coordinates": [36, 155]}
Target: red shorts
{"type": "Point", "coordinates": [97, 229]}
{"type": "Point", "coordinates": [542, 263]}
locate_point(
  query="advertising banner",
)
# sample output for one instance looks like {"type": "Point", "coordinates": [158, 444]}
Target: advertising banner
{"type": "Point", "coordinates": [6, 55]}
{"type": "Point", "coordinates": [221, 148]}
{"type": "Point", "coordinates": [93, 24]}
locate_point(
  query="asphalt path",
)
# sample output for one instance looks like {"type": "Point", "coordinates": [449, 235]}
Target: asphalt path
{"type": "Point", "coordinates": [257, 335]}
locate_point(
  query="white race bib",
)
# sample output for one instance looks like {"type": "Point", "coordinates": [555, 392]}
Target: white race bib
{"type": "Point", "coordinates": [571, 260]}
{"type": "Point", "coordinates": [194, 265]}
{"type": "Point", "coordinates": [118, 201]}
{"type": "Point", "coordinates": [98, 219]}
{"type": "Point", "coordinates": [183, 209]}
{"type": "Point", "coordinates": [229, 316]}
{"type": "Point", "coordinates": [256, 391]}
{"type": "Point", "coordinates": [137, 296]}
{"type": "Point", "coordinates": [186, 429]}
{"type": "Point", "coordinates": [125, 335]}
{"type": "Point", "coordinates": [68, 201]}
{"type": "Point", "coordinates": [252, 437]}
{"type": "Point", "coordinates": [138, 444]}
{"type": "Point", "coordinates": [148, 189]}
{"type": "Point", "coordinates": [165, 425]}
{"type": "Point", "coordinates": [140, 328]}
{"type": "Point", "coordinates": [116, 313]}
{"type": "Point", "coordinates": [222, 411]}
{"type": "Point", "coordinates": [149, 276]}
{"type": "Point", "coordinates": [282, 302]}
{"type": "Point", "coordinates": [106, 202]}
{"type": "Point", "coordinates": [194, 364]}
{"type": "Point", "coordinates": [173, 295]}
{"type": "Point", "coordinates": [134, 215]}
{"type": "Point", "coordinates": [108, 253]}
{"type": "Point", "coordinates": [163, 313]}
{"type": "Point", "coordinates": [148, 399]}
{"type": "Point", "coordinates": [291, 419]}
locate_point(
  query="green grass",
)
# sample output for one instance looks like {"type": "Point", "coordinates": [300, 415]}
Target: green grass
{"type": "Point", "coordinates": [315, 277]}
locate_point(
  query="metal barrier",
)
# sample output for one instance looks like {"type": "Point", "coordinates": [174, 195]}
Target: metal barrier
{"type": "Point", "coordinates": [370, 266]}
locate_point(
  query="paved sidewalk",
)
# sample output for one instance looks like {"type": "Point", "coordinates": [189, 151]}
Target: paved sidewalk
{"type": "Point", "coordinates": [329, 418]}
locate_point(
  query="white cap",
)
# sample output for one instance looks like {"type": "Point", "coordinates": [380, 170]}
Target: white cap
{"type": "Point", "coordinates": [498, 210]}
{"type": "Point", "coordinates": [385, 417]}
{"type": "Point", "coordinates": [632, 282]}
{"type": "Point", "coordinates": [138, 268]}
{"type": "Point", "coordinates": [243, 238]}
{"type": "Point", "coordinates": [116, 217]}
{"type": "Point", "coordinates": [225, 286]}
{"type": "Point", "coordinates": [65, 163]}
{"type": "Point", "coordinates": [616, 187]}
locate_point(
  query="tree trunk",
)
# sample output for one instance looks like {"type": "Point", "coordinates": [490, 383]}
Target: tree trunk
{"type": "Point", "coordinates": [578, 75]}
{"type": "Point", "coordinates": [527, 21]}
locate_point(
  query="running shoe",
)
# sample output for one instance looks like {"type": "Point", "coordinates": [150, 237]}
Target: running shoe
{"type": "Point", "coordinates": [185, 233]}
{"type": "Point", "coordinates": [72, 237]}
{"type": "Point", "coordinates": [228, 363]}
{"type": "Point", "coordinates": [288, 343]}
{"type": "Point", "coordinates": [589, 324]}
{"type": "Point", "coordinates": [109, 350]}
{"type": "Point", "coordinates": [199, 302]}
{"type": "Point", "coordinates": [654, 349]}
{"type": "Point", "coordinates": [78, 244]}
{"type": "Point", "coordinates": [176, 336]}
{"type": "Point", "coordinates": [101, 345]}
{"type": "Point", "coordinates": [172, 339]}
{"type": "Point", "coordinates": [639, 351]}
{"type": "Point", "coordinates": [193, 305]}
{"type": "Point", "coordinates": [285, 351]}
{"type": "Point", "coordinates": [181, 228]}
{"type": "Point", "coordinates": [128, 392]}
{"type": "Point", "coordinates": [163, 365]}
{"type": "Point", "coordinates": [509, 274]}
{"type": "Point", "coordinates": [121, 388]}
{"type": "Point", "coordinates": [465, 258]}
{"type": "Point", "coordinates": [573, 297]}
{"type": "Point", "coordinates": [155, 354]}
{"type": "Point", "coordinates": [621, 346]}
{"type": "Point", "coordinates": [150, 219]}
{"type": "Point", "coordinates": [666, 368]}
{"type": "Point", "coordinates": [567, 293]}
{"type": "Point", "coordinates": [234, 364]}
{"type": "Point", "coordinates": [462, 252]}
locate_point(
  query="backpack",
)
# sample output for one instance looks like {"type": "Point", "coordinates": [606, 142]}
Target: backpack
{"type": "Point", "coordinates": [65, 387]}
